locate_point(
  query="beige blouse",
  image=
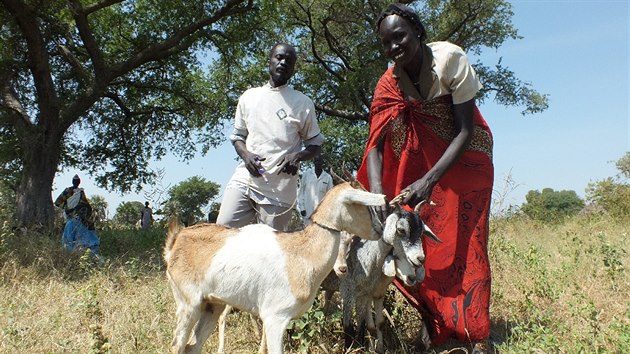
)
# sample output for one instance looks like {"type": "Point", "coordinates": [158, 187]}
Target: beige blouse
{"type": "Point", "coordinates": [445, 70]}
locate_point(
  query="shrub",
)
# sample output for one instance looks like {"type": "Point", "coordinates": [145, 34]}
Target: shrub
{"type": "Point", "coordinates": [551, 206]}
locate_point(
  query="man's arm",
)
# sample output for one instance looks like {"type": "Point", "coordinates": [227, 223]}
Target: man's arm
{"type": "Point", "coordinates": [251, 160]}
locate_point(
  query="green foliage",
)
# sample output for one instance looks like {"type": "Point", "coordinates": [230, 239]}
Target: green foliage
{"type": "Point", "coordinates": [189, 198]}
{"type": "Point", "coordinates": [342, 143]}
{"type": "Point", "coordinates": [306, 331]}
{"type": "Point", "coordinates": [7, 200]}
{"type": "Point", "coordinates": [551, 206]}
{"type": "Point", "coordinates": [128, 214]}
{"type": "Point", "coordinates": [612, 257]}
{"type": "Point", "coordinates": [623, 165]}
{"type": "Point", "coordinates": [99, 210]}
{"type": "Point", "coordinates": [613, 193]}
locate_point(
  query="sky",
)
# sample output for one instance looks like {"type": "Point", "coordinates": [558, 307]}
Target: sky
{"type": "Point", "coordinates": [577, 52]}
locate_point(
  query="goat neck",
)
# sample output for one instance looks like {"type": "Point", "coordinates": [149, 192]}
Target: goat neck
{"type": "Point", "coordinates": [345, 208]}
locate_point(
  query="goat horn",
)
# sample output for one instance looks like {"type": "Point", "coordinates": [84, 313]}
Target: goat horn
{"type": "Point", "coordinates": [419, 205]}
{"type": "Point", "coordinates": [335, 176]}
{"type": "Point", "coordinates": [346, 174]}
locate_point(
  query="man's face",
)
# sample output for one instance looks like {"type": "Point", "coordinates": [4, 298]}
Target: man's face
{"type": "Point", "coordinates": [281, 64]}
{"type": "Point", "coordinates": [318, 162]}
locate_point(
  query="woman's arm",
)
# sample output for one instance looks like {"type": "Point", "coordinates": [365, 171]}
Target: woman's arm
{"type": "Point", "coordinates": [463, 126]}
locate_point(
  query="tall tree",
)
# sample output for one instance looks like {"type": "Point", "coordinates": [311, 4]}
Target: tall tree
{"type": "Point", "coordinates": [128, 214]}
{"type": "Point", "coordinates": [99, 209]}
{"type": "Point", "coordinates": [123, 73]}
{"type": "Point", "coordinates": [189, 198]}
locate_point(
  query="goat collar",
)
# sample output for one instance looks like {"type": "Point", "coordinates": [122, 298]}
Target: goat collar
{"type": "Point", "coordinates": [377, 225]}
{"type": "Point", "coordinates": [325, 226]}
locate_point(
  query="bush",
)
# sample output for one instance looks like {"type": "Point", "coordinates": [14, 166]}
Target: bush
{"type": "Point", "coordinates": [551, 206]}
{"type": "Point", "coordinates": [613, 193]}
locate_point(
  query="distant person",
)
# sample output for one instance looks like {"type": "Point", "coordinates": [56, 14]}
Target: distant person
{"type": "Point", "coordinates": [78, 233]}
{"type": "Point", "coordinates": [272, 124]}
{"type": "Point", "coordinates": [146, 217]}
{"type": "Point", "coordinates": [314, 184]}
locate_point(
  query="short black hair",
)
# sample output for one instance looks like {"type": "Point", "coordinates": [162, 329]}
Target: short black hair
{"type": "Point", "coordinates": [407, 13]}
{"type": "Point", "coordinates": [284, 45]}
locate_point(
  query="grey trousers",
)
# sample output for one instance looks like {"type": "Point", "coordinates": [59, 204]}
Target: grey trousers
{"type": "Point", "coordinates": [238, 210]}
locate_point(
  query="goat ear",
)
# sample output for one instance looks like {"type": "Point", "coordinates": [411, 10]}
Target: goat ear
{"type": "Point", "coordinates": [390, 229]}
{"type": "Point", "coordinates": [427, 231]}
{"type": "Point", "coordinates": [356, 196]}
{"type": "Point", "coordinates": [389, 267]}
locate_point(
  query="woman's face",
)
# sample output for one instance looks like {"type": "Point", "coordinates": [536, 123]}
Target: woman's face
{"type": "Point", "coordinates": [400, 40]}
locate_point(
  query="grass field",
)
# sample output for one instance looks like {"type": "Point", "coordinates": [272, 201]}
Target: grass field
{"type": "Point", "coordinates": [556, 289]}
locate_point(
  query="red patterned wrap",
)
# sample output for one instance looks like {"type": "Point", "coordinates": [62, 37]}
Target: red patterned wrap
{"type": "Point", "coordinates": [455, 294]}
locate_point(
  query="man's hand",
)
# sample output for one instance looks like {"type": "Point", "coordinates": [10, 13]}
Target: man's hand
{"type": "Point", "coordinates": [289, 164]}
{"type": "Point", "coordinates": [251, 160]}
{"type": "Point", "coordinates": [253, 165]}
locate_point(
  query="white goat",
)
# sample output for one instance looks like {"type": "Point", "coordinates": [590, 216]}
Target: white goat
{"type": "Point", "coordinates": [372, 266]}
{"type": "Point", "coordinates": [272, 274]}
{"type": "Point", "coordinates": [329, 286]}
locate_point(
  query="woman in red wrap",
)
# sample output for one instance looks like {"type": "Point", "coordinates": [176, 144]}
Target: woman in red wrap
{"type": "Point", "coordinates": [429, 141]}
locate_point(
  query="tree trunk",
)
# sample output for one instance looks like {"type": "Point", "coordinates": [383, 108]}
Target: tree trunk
{"type": "Point", "coordinates": [34, 197]}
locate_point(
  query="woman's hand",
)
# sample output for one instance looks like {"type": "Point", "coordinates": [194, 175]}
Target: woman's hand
{"type": "Point", "coordinates": [417, 192]}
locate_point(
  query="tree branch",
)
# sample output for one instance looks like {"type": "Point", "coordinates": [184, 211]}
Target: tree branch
{"type": "Point", "coordinates": [80, 18]}
{"type": "Point", "coordinates": [319, 59]}
{"type": "Point", "coordinates": [331, 41]}
{"type": "Point", "coordinates": [74, 62]}
{"type": "Point", "coordinates": [342, 114]}
{"type": "Point", "coordinates": [17, 115]}
{"type": "Point", "coordinates": [470, 15]}
{"type": "Point", "coordinates": [99, 5]}
{"type": "Point", "coordinates": [37, 59]}
{"type": "Point", "coordinates": [177, 41]}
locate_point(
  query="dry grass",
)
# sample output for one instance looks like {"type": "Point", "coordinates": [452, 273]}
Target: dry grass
{"type": "Point", "coordinates": [556, 289]}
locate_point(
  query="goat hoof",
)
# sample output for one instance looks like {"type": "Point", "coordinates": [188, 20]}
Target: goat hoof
{"type": "Point", "coordinates": [481, 348]}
